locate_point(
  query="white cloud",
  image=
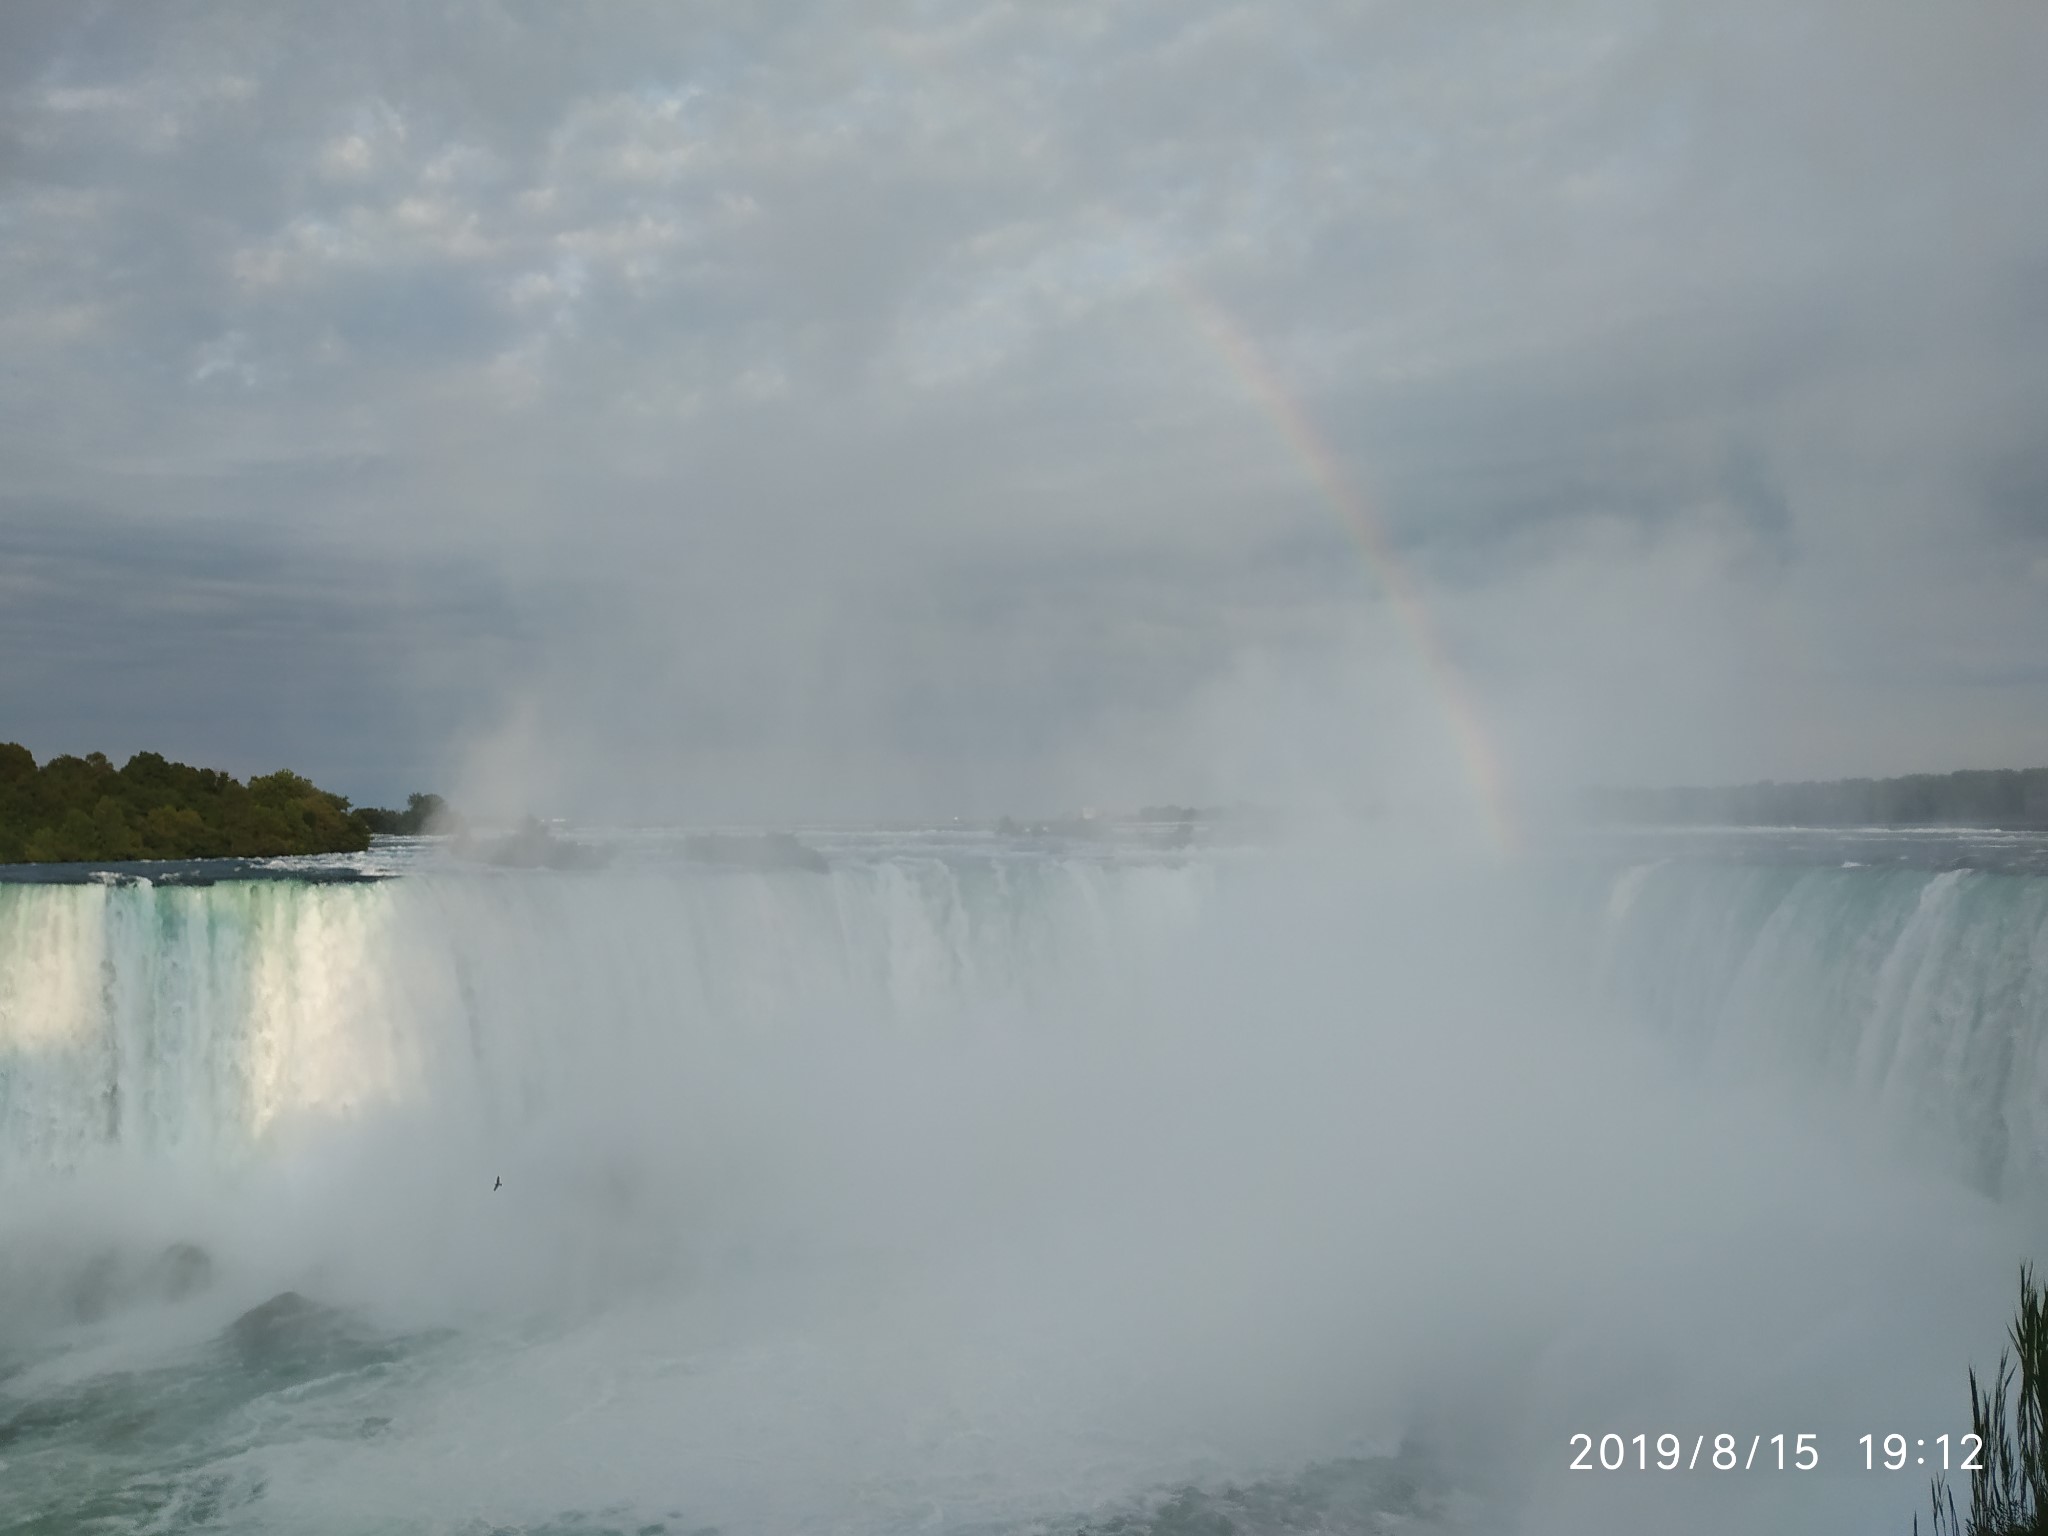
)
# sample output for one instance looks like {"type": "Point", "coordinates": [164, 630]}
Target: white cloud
{"type": "Point", "coordinates": [347, 159]}
{"type": "Point", "coordinates": [226, 358]}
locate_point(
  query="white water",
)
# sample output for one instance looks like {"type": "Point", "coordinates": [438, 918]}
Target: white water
{"type": "Point", "coordinates": [1922, 995]}
{"type": "Point", "coordinates": [933, 1193]}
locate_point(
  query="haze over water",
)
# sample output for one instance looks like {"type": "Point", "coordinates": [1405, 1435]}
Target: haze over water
{"type": "Point", "coordinates": [1382, 423]}
{"type": "Point", "coordinates": [976, 1185]}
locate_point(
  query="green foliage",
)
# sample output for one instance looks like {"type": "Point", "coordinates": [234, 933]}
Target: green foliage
{"type": "Point", "coordinates": [79, 809]}
{"type": "Point", "coordinates": [2002, 797]}
{"type": "Point", "coordinates": [2009, 1496]}
{"type": "Point", "coordinates": [422, 813]}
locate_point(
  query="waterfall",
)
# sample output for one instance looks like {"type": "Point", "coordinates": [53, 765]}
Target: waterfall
{"type": "Point", "coordinates": [183, 1022]}
{"type": "Point", "coordinates": [1921, 994]}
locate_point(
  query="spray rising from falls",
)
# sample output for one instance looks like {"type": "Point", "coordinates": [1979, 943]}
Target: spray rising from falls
{"type": "Point", "coordinates": [973, 1190]}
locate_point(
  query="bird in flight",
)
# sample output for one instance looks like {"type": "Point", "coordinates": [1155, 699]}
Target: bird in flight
{"type": "Point", "coordinates": [499, 1185]}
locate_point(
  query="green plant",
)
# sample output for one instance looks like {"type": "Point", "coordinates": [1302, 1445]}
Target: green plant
{"type": "Point", "coordinates": [2009, 1491]}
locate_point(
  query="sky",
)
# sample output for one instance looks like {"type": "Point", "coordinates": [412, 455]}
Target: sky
{"type": "Point", "coordinates": [727, 412]}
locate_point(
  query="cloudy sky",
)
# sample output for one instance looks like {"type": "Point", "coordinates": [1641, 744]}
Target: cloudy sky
{"type": "Point", "coordinates": [763, 410]}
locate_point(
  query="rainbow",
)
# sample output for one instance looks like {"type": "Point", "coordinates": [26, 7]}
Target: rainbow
{"type": "Point", "coordinates": [1476, 748]}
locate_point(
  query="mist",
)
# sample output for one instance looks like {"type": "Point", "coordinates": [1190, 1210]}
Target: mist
{"type": "Point", "coordinates": [882, 421]}
{"type": "Point", "coordinates": [1135, 1178]}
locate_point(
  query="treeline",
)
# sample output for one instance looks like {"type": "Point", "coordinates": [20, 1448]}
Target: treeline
{"type": "Point", "coordinates": [1974, 797]}
{"type": "Point", "coordinates": [84, 808]}
{"type": "Point", "coordinates": [422, 813]}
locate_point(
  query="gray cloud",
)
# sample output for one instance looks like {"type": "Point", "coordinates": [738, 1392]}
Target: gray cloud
{"type": "Point", "coordinates": [223, 642]}
{"type": "Point", "coordinates": [760, 411]}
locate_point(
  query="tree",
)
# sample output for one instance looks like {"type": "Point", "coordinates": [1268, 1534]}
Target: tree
{"type": "Point", "coordinates": [83, 808]}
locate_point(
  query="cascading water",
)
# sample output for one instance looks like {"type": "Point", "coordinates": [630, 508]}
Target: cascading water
{"type": "Point", "coordinates": [146, 1022]}
{"type": "Point", "coordinates": [982, 1191]}
{"type": "Point", "coordinates": [1922, 993]}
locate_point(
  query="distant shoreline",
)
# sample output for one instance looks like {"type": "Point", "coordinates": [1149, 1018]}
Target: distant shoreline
{"type": "Point", "coordinates": [1970, 799]}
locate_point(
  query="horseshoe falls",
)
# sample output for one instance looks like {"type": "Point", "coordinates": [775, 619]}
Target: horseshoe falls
{"type": "Point", "coordinates": [1920, 994]}
{"type": "Point", "coordinates": [1006, 1188]}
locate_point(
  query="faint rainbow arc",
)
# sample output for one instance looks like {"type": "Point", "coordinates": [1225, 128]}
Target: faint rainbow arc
{"type": "Point", "coordinates": [1476, 749]}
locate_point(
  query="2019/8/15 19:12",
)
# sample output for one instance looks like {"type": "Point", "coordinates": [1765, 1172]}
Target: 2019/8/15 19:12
{"type": "Point", "coordinates": [1896, 1454]}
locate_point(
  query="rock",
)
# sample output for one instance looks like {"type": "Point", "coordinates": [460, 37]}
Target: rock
{"type": "Point", "coordinates": [287, 1325]}
{"type": "Point", "coordinates": [291, 1336]}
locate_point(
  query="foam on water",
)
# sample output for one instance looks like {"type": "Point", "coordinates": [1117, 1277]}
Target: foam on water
{"type": "Point", "coordinates": [984, 1189]}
